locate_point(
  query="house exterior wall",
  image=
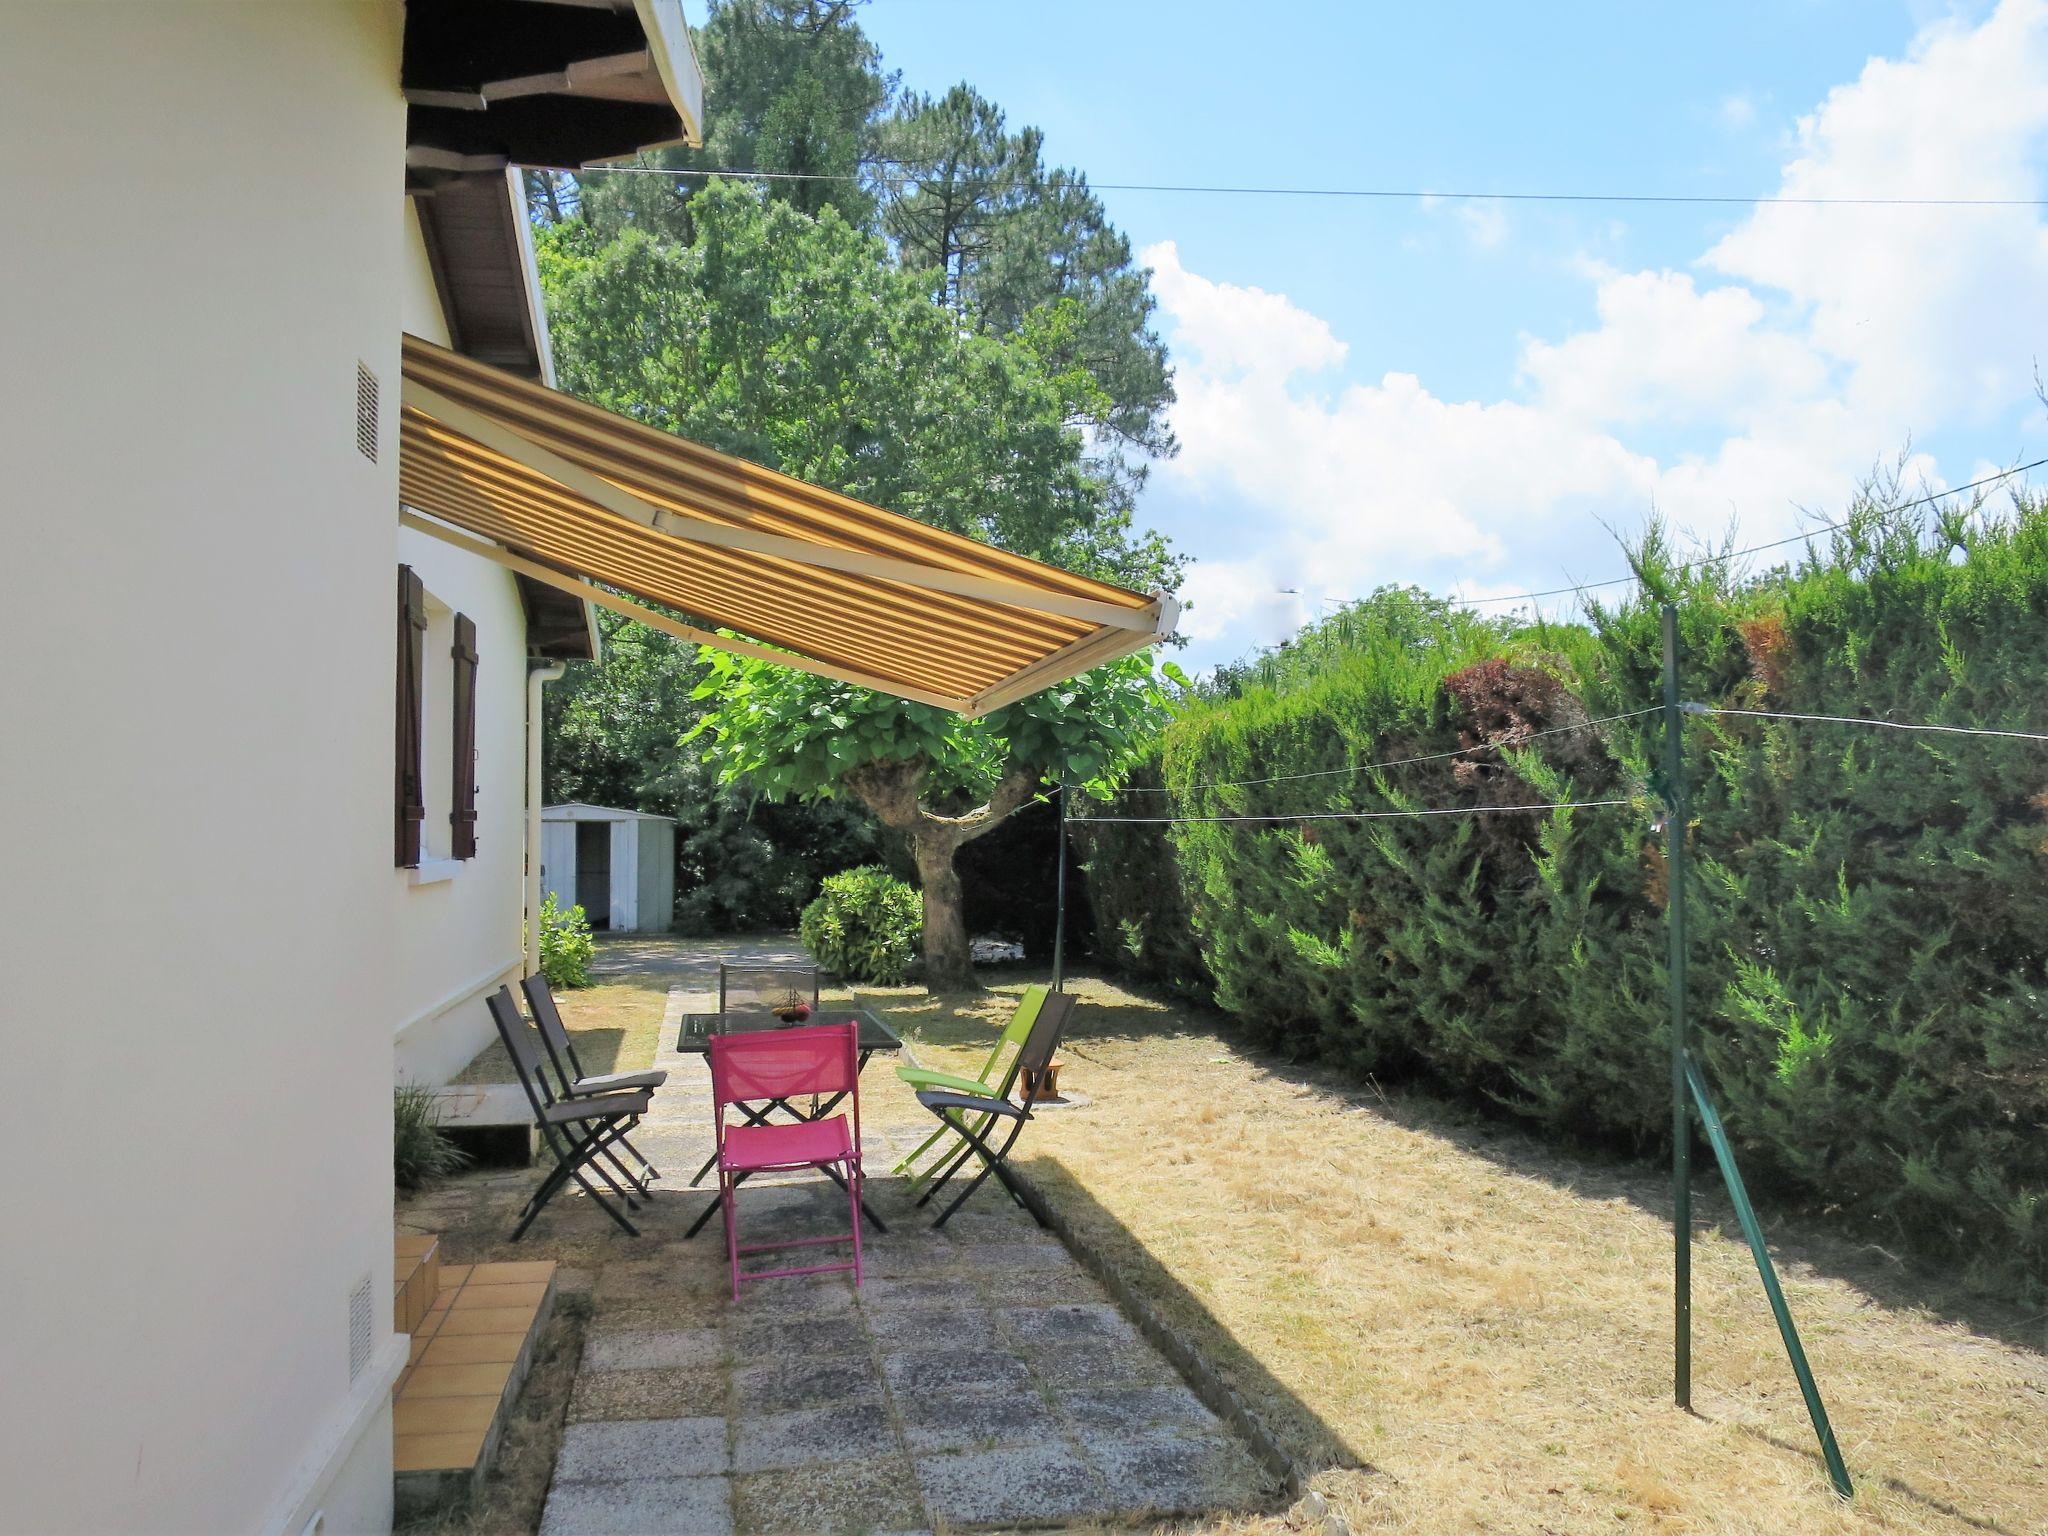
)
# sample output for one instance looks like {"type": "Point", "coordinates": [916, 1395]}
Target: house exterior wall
{"type": "Point", "coordinates": [199, 953]}
{"type": "Point", "coordinates": [459, 926]}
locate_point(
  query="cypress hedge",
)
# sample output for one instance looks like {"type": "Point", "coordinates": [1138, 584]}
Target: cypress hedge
{"type": "Point", "coordinates": [1869, 908]}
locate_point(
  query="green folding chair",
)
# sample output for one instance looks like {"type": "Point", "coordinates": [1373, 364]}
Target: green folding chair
{"type": "Point", "coordinates": [997, 1075]}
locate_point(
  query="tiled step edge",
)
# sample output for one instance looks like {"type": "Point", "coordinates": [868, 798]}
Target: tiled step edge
{"type": "Point", "coordinates": [417, 1492]}
{"type": "Point", "coordinates": [1207, 1383]}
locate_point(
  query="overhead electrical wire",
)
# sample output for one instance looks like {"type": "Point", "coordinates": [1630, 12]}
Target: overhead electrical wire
{"type": "Point", "coordinates": [1373, 194]}
{"type": "Point", "coordinates": [1755, 549]}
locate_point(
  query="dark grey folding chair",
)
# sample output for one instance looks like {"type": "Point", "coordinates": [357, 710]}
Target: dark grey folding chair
{"type": "Point", "coordinates": [576, 1132]}
{"type": "Point", "coordinates": [978, 1117]}
{"type": "Point", "coordinates": [574, 1082]}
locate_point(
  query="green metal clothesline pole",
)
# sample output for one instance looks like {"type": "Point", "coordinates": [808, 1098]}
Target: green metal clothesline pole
{"type": "Point", "coordinates": [1689, 1089]}
{"type": "Point", "coordinates": [1059, 932]}
{"type": "Point", "coordinates": [1681, 1117]}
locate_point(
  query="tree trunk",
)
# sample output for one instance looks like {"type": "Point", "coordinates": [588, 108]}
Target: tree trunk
{"type": "Point", "coordinates": [892, 788]}
{"type": "Point", "coordinates": [948, 966]}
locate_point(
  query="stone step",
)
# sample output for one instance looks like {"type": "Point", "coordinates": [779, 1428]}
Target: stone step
{"type": "Point", "coordinates": [415, 1278]}
{"type": "Point", "coordinates": [470, 1355]}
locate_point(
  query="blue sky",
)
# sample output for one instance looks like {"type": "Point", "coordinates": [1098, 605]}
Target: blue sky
{"type": "Point", "coordinates": [1466, 394]}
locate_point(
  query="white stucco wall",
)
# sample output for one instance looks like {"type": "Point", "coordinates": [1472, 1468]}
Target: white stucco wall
{"type": "Point", "coordinates": [197, 698]}
{"type": "Point", "coordinates": [461, 936]}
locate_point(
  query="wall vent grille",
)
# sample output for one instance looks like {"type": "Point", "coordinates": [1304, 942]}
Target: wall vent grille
{"type": "Point", "coordinates": [366, 412]}
{"type": "Point", "coordinates": [360, 1304]}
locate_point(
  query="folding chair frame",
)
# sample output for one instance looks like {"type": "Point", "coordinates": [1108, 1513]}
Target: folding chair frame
{"type": "Point", "coordinates": [1028, 1007]}
{"type": "Point", "coordinates": [576, 1132]}
{"type": "Point", "coordinates": [844, 1170]}
{"type": "Point", "coordinates": [953, 1108]}
{"type": "Point", "coordinates": [578, 1084]}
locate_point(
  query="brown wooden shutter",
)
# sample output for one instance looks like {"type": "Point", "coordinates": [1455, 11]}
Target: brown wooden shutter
{"type": "Point", "coordinates": [462, 816]}
{"type": "Point", "coordinates": [412, 652]}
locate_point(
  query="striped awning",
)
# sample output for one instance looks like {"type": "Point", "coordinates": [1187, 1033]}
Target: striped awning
{"type": "Point", "coordinates": [573, 495]}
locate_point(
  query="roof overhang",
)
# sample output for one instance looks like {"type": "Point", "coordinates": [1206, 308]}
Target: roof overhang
{"type": "Point", "coordinates": [480, 252]}
{"type": "Point", "coordinates": [695, 542]}
{"type": "Point", "coordinates": [549, 83]}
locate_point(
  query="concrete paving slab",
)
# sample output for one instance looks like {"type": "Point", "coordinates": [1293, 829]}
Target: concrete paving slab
{"type": "Point", "coordinates": [759, 1339]}
{"type": "Point", "coordinates": [797, 1296]}
{"type": "Point", "coordinates": [984, 1421]}
{"type": "Point", "coordinates": [1036, 1483]}
{"type": "Point", "coordinates": [778, 1386]}
{"type": "Point", "coordinates": [627, 1449]}
{"type": "Point", "coordinates": [954, 1328]}
{"type": "Point", "coordinates": [878, 1494]}
{"type": "Point", "coordinates": [940, 1372]}
{"type": "Point", "coordinates": [1068, 1326]}
{"type": "Point", "coordinates": [885, 1294]}
{"type": "Point", "coordinates": [1169, 1473]}
{"type": "Point", "coordinates": [1016, 1258]}
{"type": "Point", "coordinates": [808, 1436]}
{"type": "Point", "coordinates": [633, 1349]}
{"type": "Point", "coordinates": [701, 1506]}
{"type": "Point", "coordinates": [673, 1393]}
{"type": "Point", "coordinates": [1133, 1410]}
{"type": "Point", "coordinates": [1102, 1365]}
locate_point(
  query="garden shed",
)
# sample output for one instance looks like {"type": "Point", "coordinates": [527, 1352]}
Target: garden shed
{"type": "Point", "coordinates": [618, 866]}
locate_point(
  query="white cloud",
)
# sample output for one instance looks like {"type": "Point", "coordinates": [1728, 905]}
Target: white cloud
{"type": "Point", "coordinates": [1813, 343]}
{"type": "Point", "coordinates": [1486, 223]}
{"type": "Point", "coordinates": [1226, 331]}
{"type": "Point", "coordinates": [1737, 111]}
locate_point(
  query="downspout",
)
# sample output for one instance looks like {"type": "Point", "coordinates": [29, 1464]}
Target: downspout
{"type": "Point", "coordinates": [536, 676]}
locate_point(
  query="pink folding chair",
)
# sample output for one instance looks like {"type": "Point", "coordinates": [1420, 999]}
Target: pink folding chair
{"type": "Point", "coordinates": [772, 1067]}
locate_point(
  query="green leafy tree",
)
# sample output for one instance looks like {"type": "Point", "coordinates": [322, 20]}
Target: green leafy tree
{"type": "Point", "coordinates": [613, 736]}
{"type": "Point", "coordinates": [794, 342]}
{"type": "Point", "coordinates": [936, 779]}
{"type": "Point", "coordinates": [1013, 247]}
{"type": "Point", "coordinates": [791, 87]}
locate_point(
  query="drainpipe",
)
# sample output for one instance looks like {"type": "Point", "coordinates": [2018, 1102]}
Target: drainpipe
{"type": "Point", "coordinates": [535, 677]}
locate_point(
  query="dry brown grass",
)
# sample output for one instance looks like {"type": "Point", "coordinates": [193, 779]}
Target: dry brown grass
{"type": "Point", "coordinates": [617, 1024]}
{"type": "Point", "coordinates": [1478, 1326]}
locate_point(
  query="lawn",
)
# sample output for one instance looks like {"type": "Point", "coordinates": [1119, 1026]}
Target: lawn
{"type": "Point", "coordinates": [1471, 1331]}
{"type": "Point", "coordinates": [617, 1024]}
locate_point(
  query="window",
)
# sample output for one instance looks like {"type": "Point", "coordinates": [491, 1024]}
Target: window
{"type": "Point", "coordinates": [435, 775]}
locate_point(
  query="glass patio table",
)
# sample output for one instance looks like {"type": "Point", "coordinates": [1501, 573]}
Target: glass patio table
{"type": "Point", "coordinates": [694, 1039]}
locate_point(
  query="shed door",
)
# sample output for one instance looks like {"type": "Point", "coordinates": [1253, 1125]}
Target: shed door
{"type": "Point", "coordinates": [594, 871]}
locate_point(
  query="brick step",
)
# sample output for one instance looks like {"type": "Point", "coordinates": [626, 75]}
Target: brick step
{"type": "Point", "coordinates": [470, 1355]}
{"type": "Point", "coordinates": [415, 1278]}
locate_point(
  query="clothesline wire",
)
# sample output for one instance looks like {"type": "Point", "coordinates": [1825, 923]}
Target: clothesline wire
{"type": "Point", "coordinates": [1479, 810]}
{"type": "Point", "coordinates": [1883, 725]}
{"type": "Point", "coordinates": [1451, 810]}
{"type": "Point", "coordinates": [1754, 549]}
{"type": "Point", "coordinates": [1392, 762]}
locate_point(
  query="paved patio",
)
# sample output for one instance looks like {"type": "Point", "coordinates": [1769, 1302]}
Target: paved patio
{"type": "Point", "coordinates": [978, 1378]}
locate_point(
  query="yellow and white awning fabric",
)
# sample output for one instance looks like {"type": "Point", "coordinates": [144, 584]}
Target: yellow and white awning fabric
{"type": "Point", "coordinates": [570, 495]}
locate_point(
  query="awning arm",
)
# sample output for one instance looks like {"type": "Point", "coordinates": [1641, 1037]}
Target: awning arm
{"type": "Point", "coordinates": [492, 434]}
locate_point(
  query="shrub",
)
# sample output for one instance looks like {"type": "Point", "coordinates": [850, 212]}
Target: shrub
{"type": "Point", "coordinates": [420, 1153]}
{"type": "Point", "coordinates": [864, 926]}
{"type": "Point", "coordinates": [566, 946]}
{"type": "Point", "coordinates": [1865, 907]}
